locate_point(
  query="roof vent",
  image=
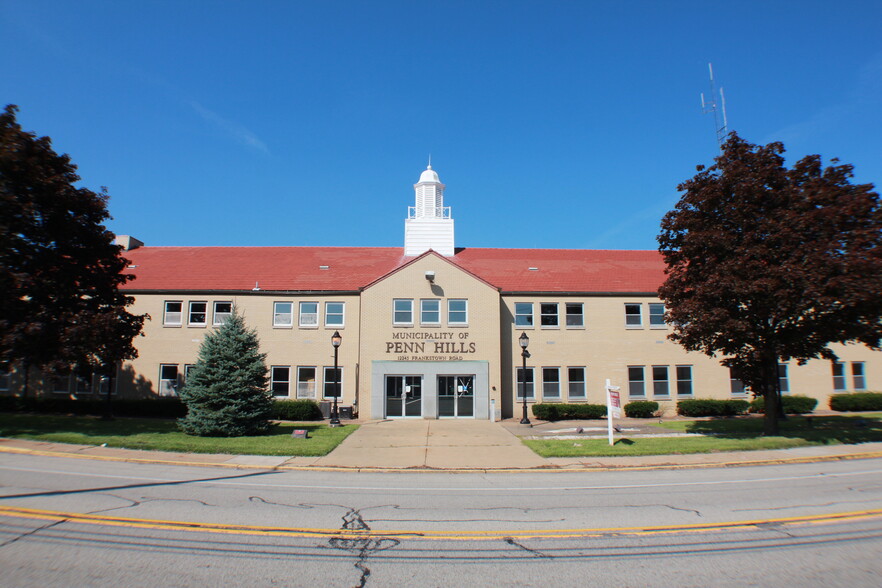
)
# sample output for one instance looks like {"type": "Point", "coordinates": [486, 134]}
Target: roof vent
{"type": "Point", "coordinates": [533, 269]}
{"type": "Point", "coordinates": [256, 287]}
{"type": "Point", "coordinates": [324, 267]}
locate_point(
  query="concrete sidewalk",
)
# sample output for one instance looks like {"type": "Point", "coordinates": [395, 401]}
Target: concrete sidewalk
{"type": "Point", "coordinates": [452, 445]}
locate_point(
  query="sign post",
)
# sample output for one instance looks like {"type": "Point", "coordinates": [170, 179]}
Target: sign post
{"type": "Point", "coordinates": [613, 407]}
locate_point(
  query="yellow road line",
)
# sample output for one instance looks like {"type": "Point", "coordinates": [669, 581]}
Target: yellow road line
{"type": "Point", "coordinates": [195, 526]}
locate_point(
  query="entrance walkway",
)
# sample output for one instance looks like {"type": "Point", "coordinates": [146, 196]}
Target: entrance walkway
{"type": "Point", "coordinates": [429, 443]}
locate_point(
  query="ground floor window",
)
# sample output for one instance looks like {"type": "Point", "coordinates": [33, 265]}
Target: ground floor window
{"type": "Point", "coordinates": [305, 382]}
{"type": "Point", "coordinates": [736, 385]}
{"type": "Point", "coordinates": [525, 380]}
{"type": "Point", "coordinates": [783, 381]}
{"type": "Point", "coordinates": [576, 379]}
{"type": "Point", "coordinates": [4, 379]}
{"type": "Point", "coordinates": [660, 385]}
{"type": "Point", "coordinates": [857, 375]}
{"type": "Point", "coordinates": [551, 383]}
{"type": "Point", "coordinates": [61, 384]}
{"type": "Point", "coordinates": [839, 384]}
{"type": "Point", "coordinates": [83, 383]}
{"type": "Point", "coordinates": [333, 383]}
{"type": "Point", "coordinates": [168, 379]}
{"type": "Point", "coordinates": [684, 380]}
{"type": "Point", "coordinates": [280, 380]}
{"type": "Point", "coordinates": [636, 381]}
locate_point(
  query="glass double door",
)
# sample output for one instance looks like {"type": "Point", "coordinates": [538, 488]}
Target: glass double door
{"type": "Point", "coordinates": [456, 396]}
{"type": "Point", "coordinates": [404, 396]}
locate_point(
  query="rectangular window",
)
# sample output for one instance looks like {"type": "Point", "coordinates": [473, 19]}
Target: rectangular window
{"type": "Point", "coordinates": [402, 311]}
{"type": "Point", "coordinates": [305, 382]}
{"type": "Point", "coordinates": [334, 314]}
{"type": "Point", "coordinates": [523, 314]}
{"type": "Point", "coordinates": [783, 382]}
{"type": "Point", "coordinates": [61, 384]}
{"type": "Point", "coordinates": [575, 316]}
{"type": "Point", "coordinates": [660, 386]}
{"type": "Point", "coordinates": [4, 379]}
{"type": "Point", "coordinates": [457, 312]}
{"type": "Point", "coordinates": [636, 381]}
{"type": "Point", "coordinates": [188, 370]}
{"type": "Point", "coordinates": [283, 314]}
{"type": "Point", "coordinates": [657, 316]}
{"type": "Point", "coordinates": [736, 386]}
{"type": "Point", "coordinates": [332, 389]}
{"type": "Point", "coordinates": [173, 313]}
{"type": "Point", "coordinates": [684, 380]}
{"type": "Point", "coordinates": [548, 314]}
{"type": "Point", "coordinates": [528, 383]}
{"type": "Point", "coordinates": [551, 383]}
{"type": "Point", "coordinates": [839, 384]}
{"type": "Point", "coordinates": [168, 379]}
{"type": "Point", "coordinates": [222, 311]}
{"type": "Point", "coordinates": [198, 314]}
{"type": "Point", "coordinates": [430, 312]}
{"type": "Point", "coordinates": [280, 381]}
{"type": "Point", "coordinates": [633, 316]}
{"type": "Point", "coordinates": [576, 379]}
{"type": "Point", "coordinates": [309, 314]}
{"type": "Point", "coordinates": [857, 375]}
{"type": "Point", "coordinates": [83, 383]}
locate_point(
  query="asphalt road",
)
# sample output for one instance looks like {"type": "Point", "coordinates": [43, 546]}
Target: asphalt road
{"type": "Point", "coordinates": [71, 522]}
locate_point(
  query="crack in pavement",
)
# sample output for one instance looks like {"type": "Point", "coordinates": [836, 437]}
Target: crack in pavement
{"type": "Point", "coordinates": [32, 531]}
{"type": "Point", "coordinates": [362, 547]}
{"type": "Point", "coordinates": [514, 543]}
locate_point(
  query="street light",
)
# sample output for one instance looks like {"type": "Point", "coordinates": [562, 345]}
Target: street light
{"type": "Point", "coordinates": [523, 340]}
{"type": "Point", "coordinates": [336, 339]}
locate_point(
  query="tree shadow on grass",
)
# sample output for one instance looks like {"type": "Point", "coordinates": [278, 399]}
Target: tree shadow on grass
{"type": "Point", "coordinates": [815, 429]}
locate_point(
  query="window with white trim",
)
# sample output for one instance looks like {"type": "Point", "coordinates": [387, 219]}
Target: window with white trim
{"type": "Point", "coordinates": [280, 381]}
{"type": "Point", "coordinates": [736, 386]}
{"type": "Point", "coordinates": [457, 311]}
{"type": "Point", "coordinates": [223, 310]}
{"type": "Point", "coordinates": [430, 311]}
{"type": "Point", "coordinates": [657, 316]}
{"type": "Point", "coordinates": [168, 379]}
{"type": "Point", "coordinates": [524, 383]}
{"type": "Point", "coordinates": [858, 378]}
{"type": "Point", "coordinates": [198, 316]}
{"type": "Point", "coordinates": [283, 314]}
{"type": "Point", "coordinates": [402, 311]}
{"type": "Point", "coordinates": [332, 389]}
{"type": "Point", "coordinates": [548, 314]}
{"type": "Point", "coordinates": [660, 386]}
{"type": "Point", "coordinates": [575, 315]}
{"type": "Point", "coordinates": [188, 371]}
{"type": "Point", "coordinates": [633, 316]}
{"type": "Point", "coordinates": [173, 313]}
{"type": "Point", "coordinates": [309, 314]}
{"type": "Point", "coordinates": [576, 382]}
{"type": "Point", "coordinates": [83, 383]}
{"type": "Point", "coordinates": [334, 314]}
{"type": "Point", "coordinates": [305, 382]}
{"type": "Point", "coordinates": [839, 383]}
{"type": "Point", "coordinates": [783, 381]}
{"type": "Point", "coordinates": [684, 380]}
{"type": "Point", "coordinates": [636, 381]}
{"type": "Point", "coordinates": [523, 314]}
{"type": "Point", "coordinates": [550, 382]}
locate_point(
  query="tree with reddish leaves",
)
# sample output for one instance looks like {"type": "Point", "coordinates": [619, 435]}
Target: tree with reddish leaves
{"type": "Point", "coordinates": [60, 271]}
{"type": "Point", "coordinates": [767, 264]}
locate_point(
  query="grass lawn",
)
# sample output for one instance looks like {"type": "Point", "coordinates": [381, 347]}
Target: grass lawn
{"type": "Point", "coordinates": [163, 435]}
{"type": "Point", "coordinates": [723, 434]}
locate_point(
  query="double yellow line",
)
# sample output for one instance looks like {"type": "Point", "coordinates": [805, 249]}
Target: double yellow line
{"type": "Point", "coordinates": [194, 526]}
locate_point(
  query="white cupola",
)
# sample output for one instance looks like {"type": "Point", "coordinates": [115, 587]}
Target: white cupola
{"type": "Point", "coordinates": [428, 224]}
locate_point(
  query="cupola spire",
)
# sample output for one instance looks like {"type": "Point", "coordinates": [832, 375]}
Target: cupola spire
{"type": "Point", "coordinates": [429, 224]}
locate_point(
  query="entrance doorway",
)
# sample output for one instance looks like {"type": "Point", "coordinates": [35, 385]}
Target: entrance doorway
{"type": "Point", "coordinates": [456, 396]}
{"type": "Point", "coordinates": [404, 396]}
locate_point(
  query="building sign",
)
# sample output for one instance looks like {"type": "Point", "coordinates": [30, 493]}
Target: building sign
{"type": "Point", "coordinates": [430, 346]}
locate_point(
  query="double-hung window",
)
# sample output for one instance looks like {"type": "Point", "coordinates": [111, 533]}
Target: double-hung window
{"type": "Point", "coordinates": [283, 314]}
{"type": "Point", "coordinates": [550, 382]}
{"type": "Point", "coordinates": [736, 385]}
{"type": "Point", "coordinates": [173, 314]}
{"type": "Point", "coordinates": [857, 375]}
{"type": "Point", "coordinates": [575, 316]}
{"type": "Point", "coordinates": [457, 311]}
{"type": "Point", "coordinates": [168, 379]}
{"type": "Point", "coordinates": [636, 381]}
{"type": "Point", "coordinates": [660, 386]}
{"type": "Point", "coordinates": [839, 383]}
{"type": "Point", "coordinates": [684, 380]}
{"type": "Point", "coordinates": [783, 381]}
{"type": "Point", "coordinates": [83, 383]}
{"type": "Point", "coordinates": [333, 383]}
{"type": "Point", "coordinates": [309, 314]}
{"type": "Point", "coordinates": [280, 380]}
{"type": "Point", "coordinates": [198, 316]}
{"type": "Point", "coordinates": [305, 382]}
{"type": "Point", "coordinates": [61, 384]}
{"type": "Point", "coordinates": [523, 314]}
{"type": "Point", "coordinates": [430, 311]}
{"type": "Point", "coordinates": [402, 311]}
{"type": "Point", "coordinates": [657, 316]}
{"type": "Point", "coordinates": [525, 382]}
{"type": "Point", "coordinates": [334, 314]}
{"type": "Point", "coordinates": [633, 316]}
{"type": "Point", "coordinates": [576, 377]}
{"type": "Point", "coordinates": [548, 314]}
{"type": "Point", "coordinates": [222, 312]}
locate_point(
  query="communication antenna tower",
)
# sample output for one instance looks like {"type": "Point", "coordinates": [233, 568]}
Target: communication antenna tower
{"type": "Point", "coordinates": [719, 110]}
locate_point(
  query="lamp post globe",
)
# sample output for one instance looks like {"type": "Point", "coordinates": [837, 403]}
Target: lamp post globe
{"type": "Point", "coordinates": [336, 339]}
{"type": "Point", "coordinates": [524, 341]}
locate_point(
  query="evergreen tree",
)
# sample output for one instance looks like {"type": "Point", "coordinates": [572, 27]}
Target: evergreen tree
{"type": "Point", "coordinates": [226, 391]}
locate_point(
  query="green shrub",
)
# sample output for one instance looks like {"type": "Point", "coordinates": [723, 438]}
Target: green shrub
{"type": "Point", "coordinates": [297, 410]}
{"type": "Point", "coordinates": [641, 409]}
{"type": "Point", "coordinates": [858, 401]}
{"type": "Point", "coordinates": [700, 407]}
{"type": "Point", "coordinates": [558, 411]}
{"type": "Point", "coordinates": [792, 404]}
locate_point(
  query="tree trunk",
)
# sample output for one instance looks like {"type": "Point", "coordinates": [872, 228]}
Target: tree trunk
{"type": "Point", "coordinates": [26, 370]}
{"type": "Point", "coordinates": [770, 397]}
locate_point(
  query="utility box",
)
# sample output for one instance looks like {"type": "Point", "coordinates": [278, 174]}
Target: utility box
{"type": "Point", "coordinates": [325, 407]}
{"type": "Point", "coordinates": [345, 412]}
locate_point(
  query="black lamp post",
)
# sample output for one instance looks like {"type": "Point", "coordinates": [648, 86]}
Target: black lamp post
{"type": "Point", "coordinates": [523, 340]}
{"type": "Point", "coordinates": [336, 339]}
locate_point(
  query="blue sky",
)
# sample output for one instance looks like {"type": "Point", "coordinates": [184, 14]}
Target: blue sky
{"type": "Point", "coordinates": [557, 124]}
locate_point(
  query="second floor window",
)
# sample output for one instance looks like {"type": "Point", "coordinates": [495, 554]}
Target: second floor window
{"type": "Point", "coordinates": [657, 316]}
{"type": "Point", "coordinates": [222, 311]}
{"type": "Point", "coordinates": [173, 313]}
{"type": "Point", "coordinates": [283, 314]}
{"type": "Point", "coordinates": [198, 314]}
{"type": "Point", "coordinates": [633, 316]}
{"type": "Point", "coordinates": [523, 314]}
{"type": "Point", "coordinates": [334, 314]}
{"type": "Point", "coordinates": [309, 314]}
{"type": "Point", "coordinates": [548, 312]}
{"type": "Point", "coordinates": [575, 316]}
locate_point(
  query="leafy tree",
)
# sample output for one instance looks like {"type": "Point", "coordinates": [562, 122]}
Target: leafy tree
{"type": "Point", "coordinates": [769, 264]}
{"type": "Point", "coordinates": [226, 391]}
{"type": "Point", "coordinates": [60, 271]}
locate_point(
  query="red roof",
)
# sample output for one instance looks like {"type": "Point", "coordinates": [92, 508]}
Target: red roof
{"type": "Point", "coordinates": [351, 268]}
